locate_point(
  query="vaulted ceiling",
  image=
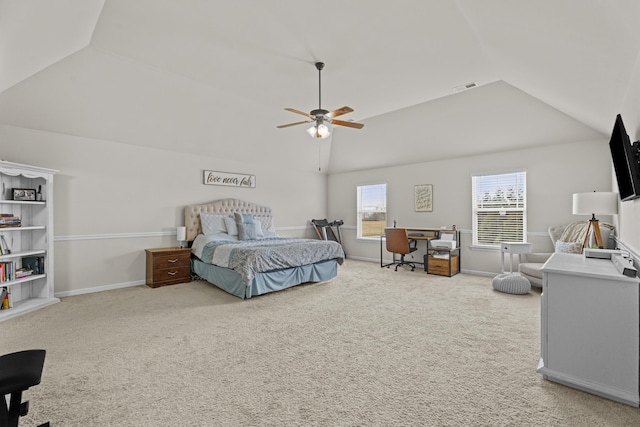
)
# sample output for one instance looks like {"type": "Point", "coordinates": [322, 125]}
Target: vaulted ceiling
{"type": "Point", "coordinates": [213, 77]}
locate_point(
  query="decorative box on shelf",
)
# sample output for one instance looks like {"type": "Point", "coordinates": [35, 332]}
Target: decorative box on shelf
{"type": "Point", "coordinates": [168, 266]}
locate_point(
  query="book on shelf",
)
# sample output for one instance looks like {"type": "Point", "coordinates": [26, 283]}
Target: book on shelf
{"type": "Point", "coordinates": [7, 271]}
{"type": "Point", "coordinates": [4, 246]}
{"type": "Point", "coordinates": [9, 220]}
{"type": "Point", "coordinates": [6, 299]}
{"type": "Point", "coordinates": [23, 272]}
{"type": "Point", "coordinates": [33, 263]}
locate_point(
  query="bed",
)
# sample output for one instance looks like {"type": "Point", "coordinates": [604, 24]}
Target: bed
{"type": "Point", "coordinates": [235, 247]}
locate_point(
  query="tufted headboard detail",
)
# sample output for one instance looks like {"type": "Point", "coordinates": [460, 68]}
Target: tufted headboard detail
{"type": "Point", "coordinates": [224, 206]}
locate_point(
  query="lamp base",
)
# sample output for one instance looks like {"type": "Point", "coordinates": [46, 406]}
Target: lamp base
{"type": "Point", "coordinates": [593, 222]}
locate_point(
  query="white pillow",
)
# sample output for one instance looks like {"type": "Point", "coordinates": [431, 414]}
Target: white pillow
{"type": "Point", "coordinates": [267, 225]}
{"type": "Point", "coordinates": [568, 247]}
{"type": "Point", "coordinates": [231, 226]}
{"type": "Point", "coordinates": [212, 223]}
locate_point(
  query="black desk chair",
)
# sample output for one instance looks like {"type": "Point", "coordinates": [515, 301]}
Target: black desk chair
{"type": "Point", "coordinates": [18, 372]}
{"type": "Point", "coordinates": [398, 242]}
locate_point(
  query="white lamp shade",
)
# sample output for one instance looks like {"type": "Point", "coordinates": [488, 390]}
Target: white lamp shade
{"type": "Point", "coordinates": [600, 203]}
{"type": "Point", "coordinates": [181, 234]}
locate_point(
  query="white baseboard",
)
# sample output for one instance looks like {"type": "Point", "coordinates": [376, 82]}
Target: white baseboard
{"type": "Point", "coordinates": [99, 288]}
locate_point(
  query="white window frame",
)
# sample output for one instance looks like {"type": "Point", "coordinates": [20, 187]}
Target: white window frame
{"type": "Point", "coordinates": [505, 182]}
{"type": "Point", "coordinates": [360, 211]}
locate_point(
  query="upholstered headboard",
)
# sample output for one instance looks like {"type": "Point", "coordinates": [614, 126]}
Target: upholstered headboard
{"type": "Point", "coordinates": [224, 206]}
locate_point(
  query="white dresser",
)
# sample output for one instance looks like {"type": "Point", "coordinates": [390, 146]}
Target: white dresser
{"type": "Point", "coordinates": [590, 331]}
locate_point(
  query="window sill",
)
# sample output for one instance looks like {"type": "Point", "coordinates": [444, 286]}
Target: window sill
{"type": "Point", "coordinates": [486, 248]}
{"type": "Point", "coordinates": [375, 239]}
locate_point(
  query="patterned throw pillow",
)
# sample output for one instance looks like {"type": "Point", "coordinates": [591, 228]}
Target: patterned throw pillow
{"type": "Point", "coordinates": [212, 223]}
{"type": "Point", "coordinates": [246, 231]}
{"type": "Point", "coordinates": [243, 218]}
{"type": "Point", "coordinates": [568, 247]}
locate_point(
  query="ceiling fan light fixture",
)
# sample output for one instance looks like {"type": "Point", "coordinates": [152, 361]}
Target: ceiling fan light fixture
{"type": "Point", "coordinates": [320, 131]}
{"type": "Point", "coordinates": [321, 116]}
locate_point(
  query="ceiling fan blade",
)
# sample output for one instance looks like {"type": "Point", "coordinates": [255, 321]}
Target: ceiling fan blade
{"type": "Point", "coordinates": [339, 112]}
{"type": "Point", "coordinates": [347, 124]}
{"type": "Point", "coordinates": [292, 124]}
{"type": "Point", "coordinates": [293, 110]}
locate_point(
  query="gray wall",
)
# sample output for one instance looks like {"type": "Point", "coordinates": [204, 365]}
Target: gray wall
{"type": "Point", "coordinates": [554, 173]}
{"type": "Point", "coordinates": [114, 200]}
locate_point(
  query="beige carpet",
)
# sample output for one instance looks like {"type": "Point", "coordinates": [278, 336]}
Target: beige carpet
{"type": "Point", "coordinates": [372, 347]}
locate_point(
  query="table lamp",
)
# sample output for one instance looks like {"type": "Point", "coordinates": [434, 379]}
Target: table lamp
{"type": "Point", "coordinates": [601, 203]}
{"type": "Point", "coordinates": [181, 235]}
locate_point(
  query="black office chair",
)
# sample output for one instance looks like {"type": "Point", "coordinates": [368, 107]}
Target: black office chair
{"type": "Point", "coordinates": [18, 372]}
{"type": "Point", "coordinates": [398, 242]}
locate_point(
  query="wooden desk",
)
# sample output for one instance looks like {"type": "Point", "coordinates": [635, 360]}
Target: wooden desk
{"type": "Point", "coordinates": [421, 233]}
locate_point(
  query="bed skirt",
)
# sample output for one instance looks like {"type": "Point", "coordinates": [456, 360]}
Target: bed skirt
{"type": "Point", "coordinates": [263, 283]}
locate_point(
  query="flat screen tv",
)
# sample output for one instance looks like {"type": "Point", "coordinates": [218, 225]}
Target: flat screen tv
{"type": "Point", "coordinates": [625, 161]}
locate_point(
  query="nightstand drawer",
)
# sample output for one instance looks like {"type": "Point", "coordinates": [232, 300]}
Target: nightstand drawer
{"type": "Point", "coordinates": [171, 260]}
{"type": "Point", "coordinates": [162, 276]}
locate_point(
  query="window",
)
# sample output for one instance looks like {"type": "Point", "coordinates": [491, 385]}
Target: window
{"type": "Point", "coordinates": [372, 210]}
{"type": "Point", "coordinates": [499, 204]}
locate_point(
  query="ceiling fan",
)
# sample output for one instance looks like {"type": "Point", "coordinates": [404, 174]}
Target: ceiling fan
{"type": "Point", "coordinates": [321, 117]}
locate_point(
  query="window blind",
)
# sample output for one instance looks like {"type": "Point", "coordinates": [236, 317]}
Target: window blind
{"type": "Point", "coordinates": [499, 204]}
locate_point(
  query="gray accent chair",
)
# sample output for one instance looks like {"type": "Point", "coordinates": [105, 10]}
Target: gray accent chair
{"type": "Point", "coordinates": [531, 266]}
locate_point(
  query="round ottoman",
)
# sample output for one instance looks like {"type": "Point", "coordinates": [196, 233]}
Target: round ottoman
{"type": "Point", "coordinates": [511, 283]}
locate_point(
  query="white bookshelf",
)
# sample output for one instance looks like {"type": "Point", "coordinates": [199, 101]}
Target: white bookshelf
{"type": "Point", "coordinates": [34, 238]}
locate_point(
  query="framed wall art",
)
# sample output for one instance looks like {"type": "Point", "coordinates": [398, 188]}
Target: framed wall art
{"type": "Point", "coordinates": [24, 194]}
{"type": "Point", "coordinates": [423, 197]}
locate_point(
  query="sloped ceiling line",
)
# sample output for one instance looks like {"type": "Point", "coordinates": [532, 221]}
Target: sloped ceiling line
{"type": "Point", "coordinates": [190, 77]}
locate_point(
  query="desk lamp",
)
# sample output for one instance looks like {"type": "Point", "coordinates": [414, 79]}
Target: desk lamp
{"type": "Point", "coordinates": [601, 203]}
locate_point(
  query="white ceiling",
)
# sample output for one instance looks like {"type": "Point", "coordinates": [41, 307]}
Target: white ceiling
{"type": "Point", "coordinates": [213, 77]}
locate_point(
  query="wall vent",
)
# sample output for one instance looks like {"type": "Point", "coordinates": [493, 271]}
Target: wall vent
{"type": "Point", "coordinates": [465, 87]}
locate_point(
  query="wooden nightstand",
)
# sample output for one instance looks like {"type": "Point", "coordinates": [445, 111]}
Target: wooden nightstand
{"type": "Point", "coordinates": [168, 266]}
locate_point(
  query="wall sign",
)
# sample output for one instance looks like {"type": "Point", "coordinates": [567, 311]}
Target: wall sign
{"type": "Point", "coordinates": [229, 179]}
{"type": "Point", "coordinates": [423, 197]}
